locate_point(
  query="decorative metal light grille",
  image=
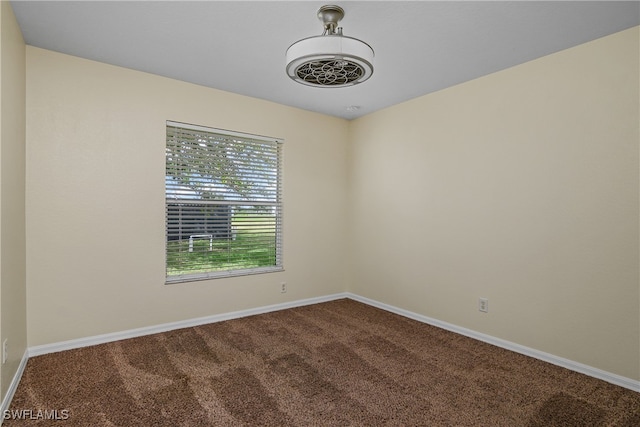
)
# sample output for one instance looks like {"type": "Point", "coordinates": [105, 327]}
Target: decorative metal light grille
{"type": "Point", "coordinates": [330, 72]}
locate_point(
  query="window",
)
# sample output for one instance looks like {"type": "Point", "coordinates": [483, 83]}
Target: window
{"type": "Point", "coordinates": [223, 203]}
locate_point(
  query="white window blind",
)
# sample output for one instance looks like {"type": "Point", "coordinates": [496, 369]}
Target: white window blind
{"type": "Point", "coordinates": [223, 203]}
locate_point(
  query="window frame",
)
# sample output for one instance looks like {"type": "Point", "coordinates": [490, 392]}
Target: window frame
{"type": "Point", "coordinates": [245, 139]}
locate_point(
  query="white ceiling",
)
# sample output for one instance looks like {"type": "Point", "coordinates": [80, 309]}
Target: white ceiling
{"type": "Point", "coordinates": [239, 46]}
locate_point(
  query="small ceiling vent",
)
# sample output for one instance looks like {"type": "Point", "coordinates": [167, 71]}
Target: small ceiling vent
{"type": "Point", "coordinates": [331, 59]}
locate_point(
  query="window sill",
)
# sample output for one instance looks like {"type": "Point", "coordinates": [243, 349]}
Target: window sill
{"type": "Point", "coordinates": [170, 280]}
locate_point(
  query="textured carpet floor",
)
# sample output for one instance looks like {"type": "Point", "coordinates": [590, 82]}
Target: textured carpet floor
{"type": "Point", "coordinates": [340, 363]}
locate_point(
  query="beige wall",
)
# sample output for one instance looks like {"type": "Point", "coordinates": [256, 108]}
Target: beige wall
{"type": "Point", "coordinates": [520, 187]}
{"type": "Point", "coordinates": [95, 199]}
{"type": "Point", "coordinates": [13, 326]}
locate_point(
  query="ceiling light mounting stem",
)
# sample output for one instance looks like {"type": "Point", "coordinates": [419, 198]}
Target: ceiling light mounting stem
{"type": "Point", "coordinates": [330, 15]}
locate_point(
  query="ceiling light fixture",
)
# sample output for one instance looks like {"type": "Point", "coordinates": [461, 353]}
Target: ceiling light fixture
{"type": "Point", "coordinates": [331, 59]}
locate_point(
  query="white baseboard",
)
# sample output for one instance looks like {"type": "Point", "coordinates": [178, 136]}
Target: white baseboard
{"type": "Point", "coordinates": [14, 385]}
{"type": "Point", "coordinates": [116, 336]}
{"type": "Point", "coordinates": [132, 333]}
{"type": "Point", "coordinates": [527, 351]}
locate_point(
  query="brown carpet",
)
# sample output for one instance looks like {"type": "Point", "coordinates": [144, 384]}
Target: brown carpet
{"type": "Point", "coordinates": [340, 363]}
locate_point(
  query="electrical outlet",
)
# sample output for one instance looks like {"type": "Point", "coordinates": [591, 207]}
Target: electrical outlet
{"type": "Point", "coordinates": [283, 287]}
{"type": "Point", "coordinates": [5, 350]}
{"type": "Point", "coordinates": [483, 305]}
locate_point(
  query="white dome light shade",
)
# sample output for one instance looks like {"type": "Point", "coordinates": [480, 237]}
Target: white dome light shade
{"type": "Point", "coordinates": [330, 61]}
